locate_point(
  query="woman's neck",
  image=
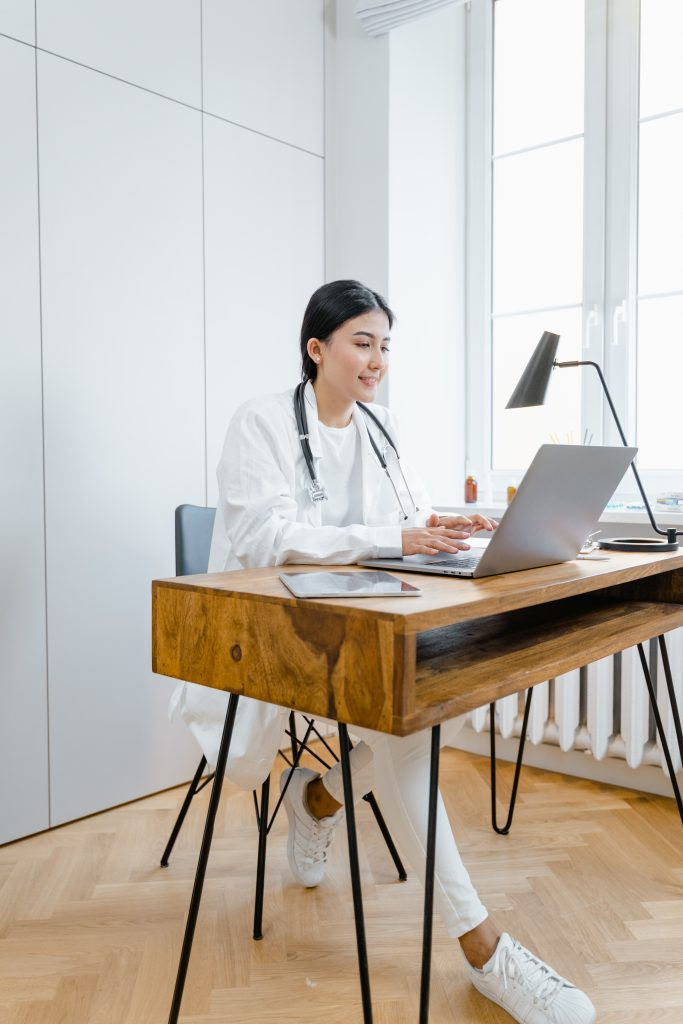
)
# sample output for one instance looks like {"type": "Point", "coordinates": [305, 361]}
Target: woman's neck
{"type": "Point", "coordinates": [333, 410]}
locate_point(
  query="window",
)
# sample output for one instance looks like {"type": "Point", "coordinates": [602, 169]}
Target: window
{"type": "Point", "coordinates": [575, 225]}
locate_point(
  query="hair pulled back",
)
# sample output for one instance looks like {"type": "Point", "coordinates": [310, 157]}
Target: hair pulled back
{"type": "Point", "coordinates": [331, 306]}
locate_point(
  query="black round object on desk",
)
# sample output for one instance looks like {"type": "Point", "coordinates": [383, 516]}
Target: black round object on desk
{"type": "Point", "coordinates": [637, 544]}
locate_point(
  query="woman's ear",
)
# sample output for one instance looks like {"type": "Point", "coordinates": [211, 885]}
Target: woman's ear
{"type": "Point", "coordinates": [314, 349]}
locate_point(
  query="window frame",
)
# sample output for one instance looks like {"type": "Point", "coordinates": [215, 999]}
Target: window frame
{"type": "Point", "coordinates": [610, 236]}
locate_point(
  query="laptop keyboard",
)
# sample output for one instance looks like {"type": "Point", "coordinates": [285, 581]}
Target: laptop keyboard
{"type": "Point", "coordinates": [466, 562]}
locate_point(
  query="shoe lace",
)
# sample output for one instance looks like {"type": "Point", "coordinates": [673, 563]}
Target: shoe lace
{"type": "Point", "coordinates": [313, 843]}
{"type": "Point", "coordinates": [517, 964]}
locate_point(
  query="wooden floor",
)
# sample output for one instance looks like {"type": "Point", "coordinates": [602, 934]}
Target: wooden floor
{"type": "Point", "coordinates": [90, 926]}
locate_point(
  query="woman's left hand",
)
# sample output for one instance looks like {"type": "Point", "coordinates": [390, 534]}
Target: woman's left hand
{"type": "Point", "coordinates": [469, 524]}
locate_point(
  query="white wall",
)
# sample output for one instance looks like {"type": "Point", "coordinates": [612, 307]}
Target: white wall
{"type": "Point", "coordinates": [174, 248]}
{"type": "Point", "coordinates": [357, 147]}
{"type": "Point", "coordinates": [426, 245]}
{"type": "Point", "coordinates": [395, 215]}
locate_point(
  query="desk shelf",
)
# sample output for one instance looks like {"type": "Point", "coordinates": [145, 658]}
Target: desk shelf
{"type": "Point", "coordinates": [467, 665]}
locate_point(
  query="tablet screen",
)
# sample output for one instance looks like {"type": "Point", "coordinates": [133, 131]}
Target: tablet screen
{"type": "Point", "coordinates": [347, 584]}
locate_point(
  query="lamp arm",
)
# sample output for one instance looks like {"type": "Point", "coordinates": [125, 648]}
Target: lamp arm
{"type": "Point", "coordinates": [670, 534]}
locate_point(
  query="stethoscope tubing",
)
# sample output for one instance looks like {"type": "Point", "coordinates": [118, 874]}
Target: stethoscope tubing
{"type": "Point", "coordinates": [317, 490]}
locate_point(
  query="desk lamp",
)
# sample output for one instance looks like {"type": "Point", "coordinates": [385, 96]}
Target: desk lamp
{"type": "Point", "coordinates": [531, 390]}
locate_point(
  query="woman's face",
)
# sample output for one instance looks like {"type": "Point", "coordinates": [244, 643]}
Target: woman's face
{"type": "Point", "coordinates": [354, 359]}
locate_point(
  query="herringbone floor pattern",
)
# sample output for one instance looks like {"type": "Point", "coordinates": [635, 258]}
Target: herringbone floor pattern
{"type": "Point", "coordinates": [90, 926]}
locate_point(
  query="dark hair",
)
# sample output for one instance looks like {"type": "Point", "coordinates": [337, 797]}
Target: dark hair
{"type": "Point", "coordinates": [331, 306]}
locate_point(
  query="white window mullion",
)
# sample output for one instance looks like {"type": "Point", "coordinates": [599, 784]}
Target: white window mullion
{"type": "Point", "coordinates": [621, 235]}
{"type": "Point", "coordinates": [595, 129]}
{"type": "Point", "coordinates": [478, 240]}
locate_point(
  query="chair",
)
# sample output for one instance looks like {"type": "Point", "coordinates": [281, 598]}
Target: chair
{"type": "Point", "coordinates": [193, 532]}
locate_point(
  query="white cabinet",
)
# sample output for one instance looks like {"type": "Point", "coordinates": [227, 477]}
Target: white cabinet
{"type": "Point", "coordinates": [263, 67]}
{"type": "Point", "coordinates": [18, 19]}
{"type": "Point", "coordinates": [121, 231]}
{"type": "Point", "coordinates": [23, 682]}
{"type": "Point", "coordinates": [264, 258]}
{"type": "Point", "coordinates": [151, 43]}
{"type": "Point", "coordinates": [155, 262]}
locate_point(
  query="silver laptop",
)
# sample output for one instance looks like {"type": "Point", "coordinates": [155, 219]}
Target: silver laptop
{"type": "Point", "coordinates": [557, 505]}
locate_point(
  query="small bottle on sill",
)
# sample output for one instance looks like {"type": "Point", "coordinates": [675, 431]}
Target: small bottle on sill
{"type": "Point", "coordinates": [470, 489]}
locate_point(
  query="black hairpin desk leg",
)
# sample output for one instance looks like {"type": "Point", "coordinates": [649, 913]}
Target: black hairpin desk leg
{"type": "Point", "coordinates": [429, 875]}
{"type": "Point", "coordinates": [658, 718]}
{"type": "Point", "coordinates": [355, 875]}
{"type": "Point", "coordinates": [518, 766]}
{"type": "Point", "coordinates": [261, 859]}
{"type": "Point", "coordinates": [672, 695]}
{"type": "Point", "coordinates": [203, 858]}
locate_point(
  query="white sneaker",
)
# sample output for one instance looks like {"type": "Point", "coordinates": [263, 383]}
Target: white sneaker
{"type": "Point", "coordinates": [530, 990]}
{"type": "Point", "coordinates": [309, 837]}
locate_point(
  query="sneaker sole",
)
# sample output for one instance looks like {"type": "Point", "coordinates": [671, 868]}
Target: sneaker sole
{"type": "Point", "coordinates": [499, 1002]}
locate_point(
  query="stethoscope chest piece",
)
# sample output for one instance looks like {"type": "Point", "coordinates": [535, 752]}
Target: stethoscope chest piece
{"type": "Point", "coordinates": [317, 491]}
{"type": "Point", "coordinates": [315, 488]}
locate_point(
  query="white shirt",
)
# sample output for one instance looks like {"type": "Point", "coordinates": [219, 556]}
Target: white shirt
{"type": "Point", "coordinates": [343, 480]}
{"type": "Point", "coordinates": [265, 514]}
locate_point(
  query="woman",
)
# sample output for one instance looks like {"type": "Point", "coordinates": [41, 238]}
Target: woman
{"type": "Point", "coordinates": [340, 507]}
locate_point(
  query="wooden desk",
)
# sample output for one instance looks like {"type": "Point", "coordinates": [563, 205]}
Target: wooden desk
{"type": "Point", "coordinates": [403, 665]}
{"type": "Point", "coordinates": [399, 665]}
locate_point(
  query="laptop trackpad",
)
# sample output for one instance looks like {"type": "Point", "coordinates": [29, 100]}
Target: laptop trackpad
{"type": "Point", "coordinates": [464, 561]}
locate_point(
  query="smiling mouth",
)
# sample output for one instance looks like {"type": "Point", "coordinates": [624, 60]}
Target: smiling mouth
{"type": "Point", "coordinates": [369, 380]}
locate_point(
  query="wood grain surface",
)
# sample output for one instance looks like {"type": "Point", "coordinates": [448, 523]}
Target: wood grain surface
{"type": "Point", "coordinates": [589, 878]}
{"type": "Point", "coordinates": [465, 666]}
{"type": "Point", "coordinates": [400, 665]}
{"type": "Point", "coordinates": [349, 668]}
{"type": "Point", "coordinates": [446, 599]}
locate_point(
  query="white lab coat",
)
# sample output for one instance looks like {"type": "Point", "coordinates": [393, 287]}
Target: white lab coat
{"type": "Point", "coordinates": [265, 516]}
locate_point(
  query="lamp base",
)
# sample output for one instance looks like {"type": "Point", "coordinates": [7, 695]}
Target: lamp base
{"type": "Point", "coordinates": [637, 544]}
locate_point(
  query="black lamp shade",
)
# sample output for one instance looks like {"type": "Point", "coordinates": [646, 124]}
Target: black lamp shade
{"type": "Point", "coordinates": [533, 383]}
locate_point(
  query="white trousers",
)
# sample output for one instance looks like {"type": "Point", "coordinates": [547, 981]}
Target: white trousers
{"type": "Point", "coordinates": [395, 768]}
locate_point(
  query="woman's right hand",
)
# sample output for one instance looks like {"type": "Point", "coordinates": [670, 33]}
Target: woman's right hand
{"type": "Point", "coordinates": [430, 540]}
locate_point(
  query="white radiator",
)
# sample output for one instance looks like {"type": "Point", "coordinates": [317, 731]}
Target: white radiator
{"type": "Point", "coordinates": [602, 711]}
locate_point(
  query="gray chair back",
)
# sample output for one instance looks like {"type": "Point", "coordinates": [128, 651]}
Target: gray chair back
{"type": "Point", "coordinates": [193, 530]}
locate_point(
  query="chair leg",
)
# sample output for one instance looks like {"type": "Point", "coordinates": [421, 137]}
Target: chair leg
{"type": "Point", "coordinates": [192, 789]}
{"type": "Point", "coordinates": [328, 748]}
{"type": "Point", "coordinates": [382, 825]}
{"type": "Point", "coordinates": [203, 858]}
{"type": "Point", "coordinates": [261, 860]}
{"type": "Point", "coordinates": [429, 875]}
{"type": "Point", "coordinates": [302, 744]}
{"type": "Point", "coordinates": [658, 718]}
{"type": "Point", "coordinates": [355, 876]}
{"type": "Point", "coordinates": [379, 818]}
{"type": "Point", "coordinates": [518, 766]}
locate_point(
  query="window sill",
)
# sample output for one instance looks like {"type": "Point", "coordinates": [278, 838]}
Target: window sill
{"type": "Point", "coordinates": [618, 516]}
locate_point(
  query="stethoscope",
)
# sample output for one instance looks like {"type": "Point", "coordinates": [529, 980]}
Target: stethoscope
{"type": "Point", "coordinates": [316, 489]}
